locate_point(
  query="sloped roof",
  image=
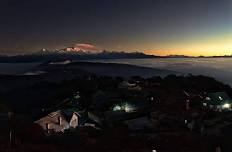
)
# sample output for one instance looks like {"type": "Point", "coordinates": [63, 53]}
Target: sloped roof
{"type": "Point", "coordinates": [218, 98]}
{"type": "Point", "coordinates": [68, 113]}
{"type": "Point", "coordinates": [51, 117]}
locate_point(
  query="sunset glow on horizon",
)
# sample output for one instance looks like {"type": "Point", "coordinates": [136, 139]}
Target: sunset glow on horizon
{"type": "Point", "coordinates": [218, 48]}
{"type": "Point", "coordinates": [158, 27]}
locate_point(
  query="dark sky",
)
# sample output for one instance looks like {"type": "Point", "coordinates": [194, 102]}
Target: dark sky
{"type": "Point", "coordinates": [153, 26]}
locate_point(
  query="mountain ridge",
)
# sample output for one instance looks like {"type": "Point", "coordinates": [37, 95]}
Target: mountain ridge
{"type": "Point", "coordinates": [45, 56]}
{"type": "Point", "coordinates": [62, 55]}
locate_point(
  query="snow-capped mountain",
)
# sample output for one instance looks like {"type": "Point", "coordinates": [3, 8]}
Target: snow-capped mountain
{"type": "Point", "coordinates": [70, 50]}
{"type": "Point", "coordinates": [73, 54]}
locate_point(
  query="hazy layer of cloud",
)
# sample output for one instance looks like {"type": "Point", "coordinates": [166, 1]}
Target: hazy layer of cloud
{"type": "Point", "coordinates": [84, 47]}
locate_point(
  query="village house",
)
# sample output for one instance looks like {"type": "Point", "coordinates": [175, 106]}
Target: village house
{"type": "Point", "coordinates": [59, 121]}
{"type": "Point", "coordinates": [218, 101]}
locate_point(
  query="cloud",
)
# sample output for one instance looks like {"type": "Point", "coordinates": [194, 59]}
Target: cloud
{"type": "Point", "coordinates": [84, 47]}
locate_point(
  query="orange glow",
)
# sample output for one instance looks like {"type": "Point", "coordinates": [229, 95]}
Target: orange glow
{"type": "Point", "coordinates": [207, 47]}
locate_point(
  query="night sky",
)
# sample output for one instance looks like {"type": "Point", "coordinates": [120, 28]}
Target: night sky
{"type": "Point", "coordinates": [189, 27]}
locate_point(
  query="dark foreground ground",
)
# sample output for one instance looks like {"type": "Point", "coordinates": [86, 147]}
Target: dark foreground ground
{"type": "Point", "coordinates": [26, 98]}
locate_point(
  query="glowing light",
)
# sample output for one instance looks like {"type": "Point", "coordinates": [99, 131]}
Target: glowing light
{"type": "Point", "coordinates": [128, 108]}
{"type": "Point", "coordinates": [124, 107]}
{"type": "Point", "coordinates": [117, 108]}
{"type": "Point", "coordinates": [220, 98]}
{"type": "Point", "coordinates": [226, 106]}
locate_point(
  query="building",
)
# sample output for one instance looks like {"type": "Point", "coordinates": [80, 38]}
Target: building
{"type": "Point", "coordinates": [59, 121]}
{"type": "Point", "coordinates": [218, 101]}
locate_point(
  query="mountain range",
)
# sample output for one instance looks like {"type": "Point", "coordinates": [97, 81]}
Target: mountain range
{"type": "Point", "coordinates": [73, 53]}
{"type": "Point", "coordinates": [60, 55]}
